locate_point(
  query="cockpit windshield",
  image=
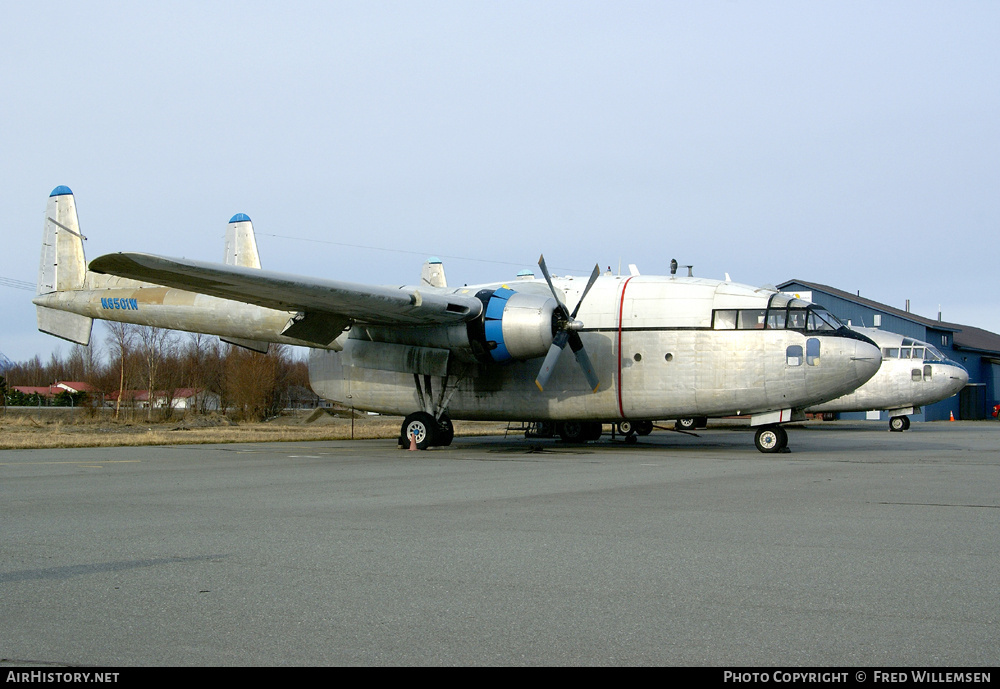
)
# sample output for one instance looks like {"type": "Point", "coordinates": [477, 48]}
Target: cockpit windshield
{"type": "Point", "coordinates": [821, 319]}
{"type": "Point", "coordinates": [933, 354]}
{"type": "Point", "coordinates": [913, 349]}
{"type": "Point", "coordinates": [782, 313]}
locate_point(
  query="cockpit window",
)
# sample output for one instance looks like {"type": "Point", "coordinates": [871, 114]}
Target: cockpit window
{"type": "Point", "coordinates": [931, 353]}
{"type": "Point", "coordinates": [725, 319]}
{"type": "Point", "coordinates": [752, 319]}
{"type": "Point", "coordinates": [820, 320]}
{"type": "Point", "coordinates": [796, 319]}
{"type": "Point", "coordinates": [778, 317]}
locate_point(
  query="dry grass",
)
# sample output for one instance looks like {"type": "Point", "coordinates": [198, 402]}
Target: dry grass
{"type": "Point", "coordinates": [25, 428]}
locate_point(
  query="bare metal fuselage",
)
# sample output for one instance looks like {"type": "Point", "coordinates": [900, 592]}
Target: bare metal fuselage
{"type": "Point", "coordinates": [903, 385]}
{"type": "Point", "coordinates": [655, 350]}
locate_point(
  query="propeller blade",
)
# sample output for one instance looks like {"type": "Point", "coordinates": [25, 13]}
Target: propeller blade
{"type": "Point", "coordinates": [558, 343]}
{"type": "Point", "coordinates": [548, 279]}
{"type": "Point", "coordinates": [567, 333]}
{"type": "Point", "coordinates": [576, 344]}
{"type": "Point", "coordinates": [593, 278]}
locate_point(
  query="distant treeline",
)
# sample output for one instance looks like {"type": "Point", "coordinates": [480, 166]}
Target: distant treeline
{"type": "Point", "coordinates": [245, 384]}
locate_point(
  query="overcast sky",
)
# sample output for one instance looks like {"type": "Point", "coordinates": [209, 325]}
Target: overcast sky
{"type": "Point", "coordinates": [855, 144]}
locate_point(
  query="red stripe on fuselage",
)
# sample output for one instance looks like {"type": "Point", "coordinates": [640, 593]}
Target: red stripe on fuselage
{"type": "Point", "coordinates": [621, 308]}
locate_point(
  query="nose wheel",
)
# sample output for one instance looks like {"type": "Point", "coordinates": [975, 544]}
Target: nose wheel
{"type": "Point", "coordinates": [770, 439]}
{"type": "Point", "coordinates": [899, 423]}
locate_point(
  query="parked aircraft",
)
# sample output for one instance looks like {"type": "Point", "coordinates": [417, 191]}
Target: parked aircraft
{"type": "Point", "coordinates": [913, 374]}
{"type": "Point", "coordinates": [645, 347]}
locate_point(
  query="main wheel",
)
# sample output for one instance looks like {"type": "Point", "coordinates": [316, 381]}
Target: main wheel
{"type": "Point", "coordinates": [771, 439]}
{"type": "Point", "coordinates": [643, 427]}
{"type": "Point", "coordinates": [626, 427]}
{"type": "Point", "coordinates": [446, 431]}
{"type": "Point", "coordinates": [899, 423]}
{"type": "Point", "coordinates": [545, 429]}
{"type": "Point", "coordinates": [423, 427]}
{"type": "Point", "coordinates": [685, 424]}
{"type": "Point", "coordinates": [572, 431]}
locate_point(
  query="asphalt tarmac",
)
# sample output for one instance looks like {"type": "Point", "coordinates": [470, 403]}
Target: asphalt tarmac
{"type": "Point", "coordinates": [860, 547]}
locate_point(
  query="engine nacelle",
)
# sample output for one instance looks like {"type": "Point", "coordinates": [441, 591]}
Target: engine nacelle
{"type": "Point", "coordinates": [517, 325]}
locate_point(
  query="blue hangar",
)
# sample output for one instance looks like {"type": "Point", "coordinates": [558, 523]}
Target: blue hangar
{"type": "Point", "coordinates": [976, 349]}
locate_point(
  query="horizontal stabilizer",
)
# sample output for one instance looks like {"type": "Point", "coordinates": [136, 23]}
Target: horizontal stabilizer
{"type": "Point", "coordinates": [68, 326]}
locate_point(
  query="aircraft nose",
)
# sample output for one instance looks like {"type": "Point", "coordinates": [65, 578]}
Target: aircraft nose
{"type": "Point", "coordinates": [867, 358]}
{"type": "Point", "coordinates": [958, 376]}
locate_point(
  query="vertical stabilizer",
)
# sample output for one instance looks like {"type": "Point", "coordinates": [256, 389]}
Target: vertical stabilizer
{"type": "Point", "coordinates": [241, 244]}
{"type": "Point", "coordinates": [241, 250]}
{"type": "Point", "coordinates": [432, 273]}
{"type": "Point", "coordinates": [63, 267]}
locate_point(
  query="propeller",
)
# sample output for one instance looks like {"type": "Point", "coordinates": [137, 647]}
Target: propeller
{"type": "Point", "coordinates": [567, 332]}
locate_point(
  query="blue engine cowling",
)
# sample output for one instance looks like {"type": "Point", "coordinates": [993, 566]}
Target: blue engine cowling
{"type": "Point", "coordinates": [515, 325]}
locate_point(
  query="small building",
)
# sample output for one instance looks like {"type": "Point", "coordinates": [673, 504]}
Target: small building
{"type": "Point", "coordinates": [976, 349]}
{"type": "Point", "coordinates": [182, 399]}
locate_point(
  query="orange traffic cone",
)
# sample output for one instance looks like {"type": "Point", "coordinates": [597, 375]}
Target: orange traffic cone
{"type": "Point", "coordinates": [951, 416]}
{"type": "Point", "coordinates": [413, 442]}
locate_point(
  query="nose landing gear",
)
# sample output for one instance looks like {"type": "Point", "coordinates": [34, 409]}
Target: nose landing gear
{"type": "Point", "coordinates": [772, 438]}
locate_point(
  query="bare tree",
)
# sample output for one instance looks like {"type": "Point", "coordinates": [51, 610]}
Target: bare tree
{"type": "Point", "coordinates": [121, 337]}
{"type": "Point", "coordinates": [155, 345]}
{"type": "Point", "coordinates": [256, 383]}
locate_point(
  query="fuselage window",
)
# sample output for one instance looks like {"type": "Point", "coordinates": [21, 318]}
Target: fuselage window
{"type": "Point", "coordinates": [812, 351]}
{"type": "Point", "coordinates": [928, 372]}
{"type": "Point", "coordinates": [793, 355]}
{"type": "Point", "coordinates": [916, 375]}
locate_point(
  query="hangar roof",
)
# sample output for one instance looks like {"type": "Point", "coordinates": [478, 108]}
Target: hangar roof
{"type": "Point", "coordinates": [965, 336]}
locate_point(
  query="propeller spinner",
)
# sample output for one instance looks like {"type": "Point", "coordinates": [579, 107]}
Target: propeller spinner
{"type": "Point", "coordinates": [567, 331]}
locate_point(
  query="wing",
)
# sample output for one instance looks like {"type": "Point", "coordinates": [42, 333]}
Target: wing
{"type": "Point", "coordinates": [330, 302]}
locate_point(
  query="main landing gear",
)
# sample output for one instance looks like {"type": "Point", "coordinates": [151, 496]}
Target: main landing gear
{"type": "Point", "coordinates": [772, 438]}
{"type": "Point", "coordinates": [426, 430]}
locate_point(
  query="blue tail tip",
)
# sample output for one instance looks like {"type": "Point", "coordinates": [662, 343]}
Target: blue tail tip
{"type": "Point", "coordinates": [240, 217]}
{"type": "Point", "coordinates": [61, 191]}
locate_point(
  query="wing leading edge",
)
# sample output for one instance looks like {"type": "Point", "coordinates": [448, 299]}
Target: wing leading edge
{"type": "Point", "coordinates": [326, 305]}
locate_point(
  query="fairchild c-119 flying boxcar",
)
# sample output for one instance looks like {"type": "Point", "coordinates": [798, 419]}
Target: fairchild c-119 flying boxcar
{"type": "Point", "coordinates": [644, 347]}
